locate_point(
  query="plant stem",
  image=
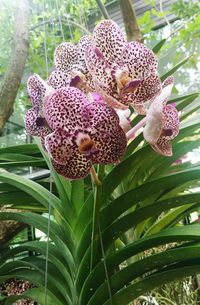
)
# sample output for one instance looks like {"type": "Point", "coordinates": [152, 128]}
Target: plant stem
{"type": "Point", "coordinates": [95, 224]}
{"type": "Point", "coordinates": [131, 133]}
{"type": "Point", "coordinates": [94, 176]}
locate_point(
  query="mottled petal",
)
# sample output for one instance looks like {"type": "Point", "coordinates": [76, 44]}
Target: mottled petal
{"type": "Point", "coordinates": [168, 81]}
{"type": "Point", "coordinates": [138, 60]}
{"type": "Point", "coordinates": [110, 97]}
{"type": "Point", "coordinates": [100, 115]}
{"type": "Point", "coordinates": [154, 122]}
{"type": "Point", "coordinates": [144, 94]}
{"type": "Point", "coordinates": [167, 86]}
{"type": "Point", "coordinates": [64, 109]}
{"type": "Point", "coordinates": [58, 79]}
{"type": "Point", "coordinates": [99, 67]}
{"type": "Point", "coordinates": [59, 145]}
{"type": "Point", "coordinates": [65, 56]}
{"type": "Point", "coordinates": [171, 122]}
{"type": "Point", "coordinates": [35, 123]}
{"type": "Point", "coordinates": [82, 45]}
{"type": "Point", "coordinates": [124, 117]}
{"type": "Point", "coordinates": [36, 89]}
{"type": "Point", "coordinates": [76, 167]}
{"type": "Point", "coordinates": [109, 39]}
{"type": "Point", "coordinates": [109, 138]}
{"type": "Point", "coordinates": [163, 147]}
{"type": "Point", "coordinates": [111, 146]}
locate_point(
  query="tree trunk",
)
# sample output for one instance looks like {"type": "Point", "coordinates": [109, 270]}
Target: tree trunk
{"type": "Point", "coordinates": [130, 21]}
{"type": "Point", "coordinates": [14, 73]}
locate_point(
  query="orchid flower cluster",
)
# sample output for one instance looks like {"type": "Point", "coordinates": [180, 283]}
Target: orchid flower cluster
{"type": "Point", "coordinates": [82, 111]}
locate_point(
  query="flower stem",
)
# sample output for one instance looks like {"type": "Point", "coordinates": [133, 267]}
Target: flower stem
{"type": "Point", "coordinates": [95, 224]}
{"type": "Point", "coordinates": [94, 176]}
{"type": "Point", "coordinates": [131, 133]}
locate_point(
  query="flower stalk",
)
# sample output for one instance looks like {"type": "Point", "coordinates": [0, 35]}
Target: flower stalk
{"type": "Point", "coordinates": [130, 135]}
{"type": "Point", "coordinates": [94, 176]}
{"type": "Point", "coordinates": [95, 225]}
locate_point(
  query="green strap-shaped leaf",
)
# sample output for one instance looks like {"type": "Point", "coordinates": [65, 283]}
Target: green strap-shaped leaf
{"type": "Point", "coordinates": [36, 294]}
{"type": "Point", "coordinates": [18, 157]}
{"type": "Point", "coordinates": [175, 68]}
{"type": "Point", "coordinates": [157, 186]}
{"type": "Point", "coordinates": [11, 164]}
{"type": "Point", "coordinates": [123, 277]}
{"type": "Point", "coordinates": [159, 45]}
{"type": "Point", "coordinates": [64, 241]}
{"type": "Point", "coordinates": [77, 195]}
{"type": "Point", "coordinates": [32, 188]}
{"type": "Point", "coordinates": [24, 149]}
{"type": "Point", "coordinates": [97, 276]}
{"type": "Point", "coordinates": [128, 294]}
{"type": "Point", "coordinates": [55, 279]}
{"type": "Point", "coordinates": [63, 187]}
{"type": "Point", "coordinates": [56, 256]}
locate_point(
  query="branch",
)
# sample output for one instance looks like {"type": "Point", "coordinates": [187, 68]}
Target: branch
{"type": "Point", "coordinates": [14, 73]}
{"type": "Point", "coordinates": [103, 9]}
{"type": "Point", "coordinates": [64, 20]}
{"type": "Point", "coordinates": [130, 21]}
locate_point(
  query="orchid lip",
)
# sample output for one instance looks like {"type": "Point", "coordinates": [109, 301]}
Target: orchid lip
{"type": "Point", "coordinates": [75, 81]}
{"type": "Point", "coordinates": [98, 53]}
{"type": "Point", "coordinates": [167, 132]}
{"type": "Point", "coordinates": [132, 85]}
{"type": "Point", "coordinates": [41, 121]}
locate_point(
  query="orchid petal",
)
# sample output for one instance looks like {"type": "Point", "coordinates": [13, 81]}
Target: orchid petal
{"type": "Point", "coordinates": [59, 145]}
{"type": "Point", "coordinates": [36, 89]}
{"type": "Point", "coordinates": [58, 79]}
{"type": "Point", "coordinates": [171, 122]}
{"type": "Point", "coordinates": [109, 39]}
{"type": "Point", "coordinates": [168, 81]}
{"type": "Point", "coordinates": [109, 138]}
{"type": "Point", "coordinates": [163, 147]}
{"type": "Point", "coordinates": [154, 122]}
{"type": "Point", "coordinates": [77, 166]}
{"type": "Point", "coordinates": [110, 146]}
{"type": "Point", "coordinates": [82, 45]}
{"type": "Point", "coordinates": [64, 109]}
{"type": "Point", "coordinates": [167, 86]}
{"type": "Point", "coordinates": [65, 56]}
{"type": "Point", "coordinates": [144, 94]}
{"type": "Point", "coordinates": [99, 67]}
{"type": "Point", "coordinates": [110, 97]}
{"type": "Point", "coordinates": [35, 124]}
{"type": "Point", "coordinates": [138, 60]}
{"type": "Point", "coordinates": [124, 119]}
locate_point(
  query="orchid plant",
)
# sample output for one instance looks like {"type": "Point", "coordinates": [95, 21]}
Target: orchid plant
{"type": "Point", "coordinates": [79, 130]}
{"type": "Point", "coordinates": [113, 195]}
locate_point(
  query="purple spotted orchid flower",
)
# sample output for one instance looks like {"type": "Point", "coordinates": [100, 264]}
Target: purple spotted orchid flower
{"type": "Point", "coordinates": [84, 133]}
{"type": "Point", "coordinates": [124, 73]}
{"type": "Point", "coordinates": [162, 122]}
{"type": "Point", "coordinates": [71, 69]}
{"type": "Point", "coordinates": [35, 122]}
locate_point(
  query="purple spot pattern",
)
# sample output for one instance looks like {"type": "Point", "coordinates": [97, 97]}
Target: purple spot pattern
{"type": "Point", "coordinates": [58, 79]}
{"type": "Point", "coordinates": [170, 129]}
{"type": "Point", "coordinates": [109, 39]}
{"type": "Point", "coordinates": [73, 118]}
{"type": "Point", "coordinates": [35, 122]}
{"type": "Point", "coordinates": [36, 90]}
{"type": "Point", "coordinates": [109, 57]}
{"type": "Point", "coordinates": [69, 61]}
